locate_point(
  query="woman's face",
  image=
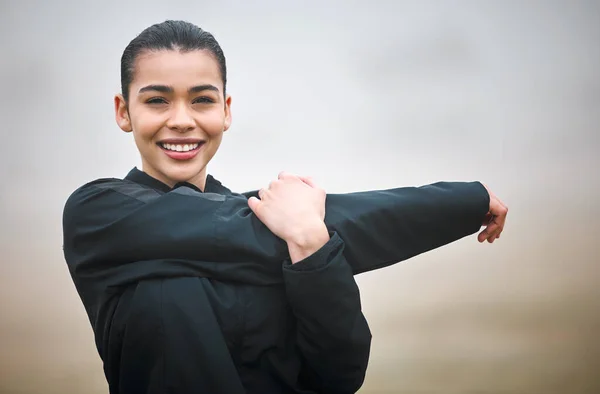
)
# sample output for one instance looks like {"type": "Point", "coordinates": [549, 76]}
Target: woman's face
{"type": "Point", "coordinates": [177, 113]}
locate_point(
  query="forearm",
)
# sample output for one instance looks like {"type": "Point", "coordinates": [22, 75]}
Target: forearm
{"type": "Point", "coordinates": [332, 334]}
{"type": "Point", "coordinates": [307, 242]}
{"type": "Point", "coordinates": [381, 228]}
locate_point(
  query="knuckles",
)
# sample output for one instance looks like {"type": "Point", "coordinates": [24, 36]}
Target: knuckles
{"type": "Point", "coordinates": [285, 175]}
{"type": "Point", "coordinates": [285, 179]}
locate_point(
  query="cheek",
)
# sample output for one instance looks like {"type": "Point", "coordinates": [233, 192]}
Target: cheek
{"type": "Point", "coordinates": [213, 123]}
{"type": "Point", "coordinates": [214, 144]}
{"type": "Point", "coordinates": [146, 125]}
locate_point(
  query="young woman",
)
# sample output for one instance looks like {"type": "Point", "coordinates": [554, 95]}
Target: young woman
{"type": "Point", "coordinates": [191, 288]}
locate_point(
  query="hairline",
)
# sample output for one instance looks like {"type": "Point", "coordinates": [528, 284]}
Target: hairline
{"type": "Point", "coordinates": [174, 48]}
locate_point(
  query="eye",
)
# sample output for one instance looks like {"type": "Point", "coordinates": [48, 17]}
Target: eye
{"type": "Point", "coordinates": [203, 100]}
{"type": "Point", "coordinates": [156, 100]}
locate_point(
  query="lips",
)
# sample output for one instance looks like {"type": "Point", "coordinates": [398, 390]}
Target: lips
{"type": "Point", "coordinates": [181, 149]}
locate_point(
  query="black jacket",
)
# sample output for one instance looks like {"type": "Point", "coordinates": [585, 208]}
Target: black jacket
{"type": "Point", "coordinates": [188, 292]}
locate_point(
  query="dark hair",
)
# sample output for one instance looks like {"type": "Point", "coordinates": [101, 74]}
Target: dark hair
{"type": "Point", "coordinates": [169, 35]}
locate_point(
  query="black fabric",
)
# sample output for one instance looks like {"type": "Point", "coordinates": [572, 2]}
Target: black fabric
{"type": "Point", "coordinates": [188, 292]}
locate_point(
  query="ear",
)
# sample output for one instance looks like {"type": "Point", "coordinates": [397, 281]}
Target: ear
{"type": "Point", "coordinates": [122, 114]}
{"type": "Point", "coordinates": [227, 121]}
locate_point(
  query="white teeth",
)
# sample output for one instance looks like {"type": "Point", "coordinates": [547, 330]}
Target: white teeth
{"type": "Point", "coordinates": [180, 147]}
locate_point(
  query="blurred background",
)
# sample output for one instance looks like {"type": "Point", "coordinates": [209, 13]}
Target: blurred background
{"type": "Point", "coordinates": [361, 95]}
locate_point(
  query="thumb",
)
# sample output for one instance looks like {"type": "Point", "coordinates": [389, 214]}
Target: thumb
{"type": "Point", "coordinates": [488, 218]}
{"type": "Point", "coordinates": [255, 205]}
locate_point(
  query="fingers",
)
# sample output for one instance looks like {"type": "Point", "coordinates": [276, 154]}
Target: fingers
{"type": "Point", "coordinates": [284, 175]}
{"type": "Point", "coordinates": [308, 180]}
{"type": "Point", "coordinates": [254, 204]}
{"type": "Point", "coordinates": [491, 232]}
{"type": "Point", "coordinates": [494, 220]}
{"type": "Point", "coordinates": [500, 211]}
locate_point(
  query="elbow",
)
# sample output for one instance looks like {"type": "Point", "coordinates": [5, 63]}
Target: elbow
{"type": "Point", "coordinates": [356, 353]}
{"type": "Point", "coordinates": [348, 374]}
{"type": "Point", "coordinates": [362, 352]}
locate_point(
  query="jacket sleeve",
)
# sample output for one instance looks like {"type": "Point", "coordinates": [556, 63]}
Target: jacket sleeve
{"type": "Point", "coordinates": [384, 227]}
{"type": "Point", "coordinates": [332, 333]}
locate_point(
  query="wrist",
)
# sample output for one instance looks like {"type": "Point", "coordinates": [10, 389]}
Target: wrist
{"type": "Point", "coordinates": [307, 241]}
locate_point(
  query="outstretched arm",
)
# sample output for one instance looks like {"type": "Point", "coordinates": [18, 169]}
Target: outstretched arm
{"type": "Point", "coordinates": [384, 227]}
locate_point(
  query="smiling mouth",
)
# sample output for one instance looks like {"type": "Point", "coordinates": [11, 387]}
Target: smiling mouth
{"type": "Point", "coordinates": [180, 147]}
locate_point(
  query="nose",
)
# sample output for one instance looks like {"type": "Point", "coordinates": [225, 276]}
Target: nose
{"type": "Point", "coordinates": [180, 119]}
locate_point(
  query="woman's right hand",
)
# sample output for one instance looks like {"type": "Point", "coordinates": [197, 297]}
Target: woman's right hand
{"type": "Point", "coordinates": [293, 208]}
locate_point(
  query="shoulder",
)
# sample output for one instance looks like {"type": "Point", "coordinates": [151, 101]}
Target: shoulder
{"type": "Point", "coordinates": [104, 194]}
{"type": "Point", "coordinates": [94, 188]}
{"type": "Point", "coordinates": [112, 186]}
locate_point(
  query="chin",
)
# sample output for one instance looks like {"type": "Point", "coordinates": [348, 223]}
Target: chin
{"type": "Point", "coordinates": [183, 174]}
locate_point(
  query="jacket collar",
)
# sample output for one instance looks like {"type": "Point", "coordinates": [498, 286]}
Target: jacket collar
{"type": "Point", "coordinates": [212, 185]}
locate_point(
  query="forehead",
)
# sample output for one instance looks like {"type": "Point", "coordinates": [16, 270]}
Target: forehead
{"type": "Point", "coordinates": [177, 69]}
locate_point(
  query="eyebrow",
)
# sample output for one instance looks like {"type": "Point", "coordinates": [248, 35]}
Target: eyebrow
{"type": "Point", "coordinates": [169, 89]}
